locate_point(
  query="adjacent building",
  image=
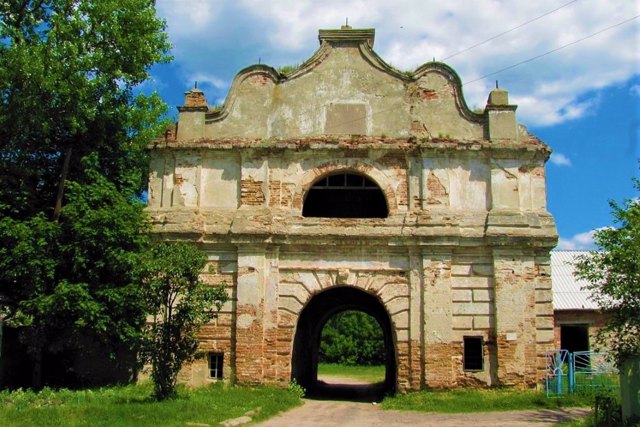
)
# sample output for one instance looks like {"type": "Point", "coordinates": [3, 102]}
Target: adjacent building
{"type": "Point", "coordinates": [577, 317]}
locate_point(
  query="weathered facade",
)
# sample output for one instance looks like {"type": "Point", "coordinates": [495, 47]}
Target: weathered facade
{"type": "Point", "coordinates": [434, 220]}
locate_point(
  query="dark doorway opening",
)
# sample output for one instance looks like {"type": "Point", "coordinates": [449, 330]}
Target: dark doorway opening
{"type": "Point", "coordinates": [345, 195]}
{"type": "Point", "coordinates": [574, 338]}
{"type": "Point", "coordinates": [307, 340]}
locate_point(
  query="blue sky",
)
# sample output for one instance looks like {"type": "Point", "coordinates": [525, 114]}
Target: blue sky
{"type": "Point", "coordinates": [582, 100]}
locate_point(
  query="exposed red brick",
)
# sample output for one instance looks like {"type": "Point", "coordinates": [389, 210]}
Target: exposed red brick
{"type": "Point", "coordinates": [259, 79]}
{"type": "Point", "coordinates": [251, 192]}
{"type": "Point", "coordinates": [436, 190]}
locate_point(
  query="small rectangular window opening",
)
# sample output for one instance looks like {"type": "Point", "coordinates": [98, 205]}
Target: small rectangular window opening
{"type": "Point", "coordinates": [473, 354]}
{"type": "Point", "coordinates": [215, 365]}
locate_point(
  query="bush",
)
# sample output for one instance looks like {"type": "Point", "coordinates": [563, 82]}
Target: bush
{"type": "Point", "coordinates": [352, 338]}
{"type": "Point", "coordinates": [178, 303]}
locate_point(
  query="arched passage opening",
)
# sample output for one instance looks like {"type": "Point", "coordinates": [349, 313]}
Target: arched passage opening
{"type": "Point", "coordinates": [345, 195]}
{"type": "Point", "coordinates": [307, 339]}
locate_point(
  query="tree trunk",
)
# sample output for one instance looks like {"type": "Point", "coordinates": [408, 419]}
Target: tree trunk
{"type": "Point", "coordinates": [63, 177]}
{"type": "Point", "coordinates": [36, 374]}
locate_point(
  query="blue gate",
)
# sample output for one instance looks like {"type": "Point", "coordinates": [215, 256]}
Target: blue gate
{"type": "Point", "coordinates": [557, 366]}
{"type": "Point", "coordinates": [580, 371]}
{"type": "Point", "coordinates": [593, 370]}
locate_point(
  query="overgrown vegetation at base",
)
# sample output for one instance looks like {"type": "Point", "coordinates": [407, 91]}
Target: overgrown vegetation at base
{"type": "Point", "coordinates": [132, 405]}
{"type": "Point", "coordinates": [487, 400]}
{"type": "Point", "coordinates": [179, 304]}
{"type": "Point", "coordinates": [372, 374]}
{"type": "Point", "coordinates": [590, 421]}
{"type": "Point", "coordinates": [606, 411]}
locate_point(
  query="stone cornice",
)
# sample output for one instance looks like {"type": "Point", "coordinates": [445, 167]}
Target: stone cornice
{"type": "Point", "coordinates": [420, 228]}
{"type": "Point", "coordinates": [348, 35]}
{"type": "Point", "coordinates": [529, 147]}
{"type": "Point", "coordinates": [187, 108]}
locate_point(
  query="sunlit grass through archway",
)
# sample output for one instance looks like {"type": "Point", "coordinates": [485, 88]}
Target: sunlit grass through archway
{"type": "Point", "coordinates": [352, 350]}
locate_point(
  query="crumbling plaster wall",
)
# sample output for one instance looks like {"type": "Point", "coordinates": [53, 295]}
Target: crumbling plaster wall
{"type": "Point", "coordinates": [382, 104]}
{"type": "Point", "coordinates": [453, 296]}
{"type": "Point", "coordinates": [224, 178]}
{"type": "Point", "coordinates": [463, 252]}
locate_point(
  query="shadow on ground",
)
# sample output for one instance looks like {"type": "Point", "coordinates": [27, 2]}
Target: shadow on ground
{"type": "Point", "coordinates": [347, 392]}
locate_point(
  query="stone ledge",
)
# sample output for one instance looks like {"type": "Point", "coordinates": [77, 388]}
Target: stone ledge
{"type": "Point", "coordinates": [355, 142]}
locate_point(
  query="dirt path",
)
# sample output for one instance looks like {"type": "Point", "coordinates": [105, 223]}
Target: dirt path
{"type": "Point", "coordinates": [344, 413]}
{"type": "Point", "coordinates": [326, 413]}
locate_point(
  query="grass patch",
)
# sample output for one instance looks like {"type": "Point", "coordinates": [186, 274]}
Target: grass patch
{"type": "Point", "coordinates": [371, 374]}
{"type": "Point", "coordinates": [286, 69]}
{"type": "Point", "coordinates": [132, 405]}
{"type": "Point", "coordinates": [589, 421]}
{"type": "Point", "coordinates": [490, 400]}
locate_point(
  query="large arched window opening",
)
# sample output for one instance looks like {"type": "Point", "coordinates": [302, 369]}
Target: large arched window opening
{"type": "Point", "coordinates": [345, 195]}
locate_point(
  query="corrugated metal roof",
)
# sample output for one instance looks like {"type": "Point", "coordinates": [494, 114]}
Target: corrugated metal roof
{"type": "Point", "coordinates": [568, 291]}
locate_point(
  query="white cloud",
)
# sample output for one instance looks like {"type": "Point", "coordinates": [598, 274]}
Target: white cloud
{"type": "Point", "coordinates": [213, 36]}
{"type": "Point", "coordinates": [207, 80]}
{"type": "Point", "coordinates": [559, 159]}
{"type": "Point", "coordinates": [547, 111]}
{"type": "Point", "coordinates": [294, 23]}
{"type": "Point", "coordinates": [186, 17]}
{"type": "Point", "coordinates": [580, 241]}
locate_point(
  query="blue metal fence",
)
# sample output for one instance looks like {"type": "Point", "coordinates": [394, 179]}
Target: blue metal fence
{"type": "Point", "coordinates": [580, 371]}
{"type": "Point", "coordinates": [593, 370]}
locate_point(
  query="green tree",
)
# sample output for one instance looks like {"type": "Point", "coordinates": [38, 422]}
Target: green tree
{"type": "Point", "coordinates": [180, 303]}
{"type": "Point", "coordinates": [71, 279]}
{"type": "Point", "coordinates": [614, 276]}
{"type": "Point", "coordinates": [69, 115]}
{"type": "Point", "coordinates": [352, 338]}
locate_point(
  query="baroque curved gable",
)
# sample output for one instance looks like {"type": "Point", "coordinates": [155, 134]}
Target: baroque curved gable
{"type": "Point", "coordinates": [345, 88]}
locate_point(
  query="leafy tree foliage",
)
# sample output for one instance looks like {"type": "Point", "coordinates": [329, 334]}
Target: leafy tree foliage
{"type": "Point", "coordinates": [69, 117]}
{"type": "Point", "coordinates": [352, 338]}
{"type": "Point", "coordinates": [614, 274]}
{"type": "Point", "coordinates": [67, 73]}
{"type": "Point", "coordinates": [180, 304]}
{"type": "Point", "coordinates": [71, 279]}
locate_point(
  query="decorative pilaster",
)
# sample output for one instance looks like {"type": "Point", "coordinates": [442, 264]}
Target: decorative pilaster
{"type": "Point", "coordinates": [416, 316]}
{"type": "Point", "coordinates": [515, 278]}
{"type": "Point", "coordinates": [438, 313]}
{"type": "Point", "coordinates": [250, 309]}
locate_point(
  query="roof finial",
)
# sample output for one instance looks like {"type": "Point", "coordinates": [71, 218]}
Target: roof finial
{"type": "Point", "coordinates": [195, 86]}
{"type": "Point", "coordinates": [496, 84]}
{"type": "Point", "coordinates": [346, 24]}
{"type": "Point", "coordinates": [259, 60]}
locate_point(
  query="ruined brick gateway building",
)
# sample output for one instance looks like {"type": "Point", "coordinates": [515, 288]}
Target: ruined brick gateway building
{"type": "Point", "coordinates": [346, 184]}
